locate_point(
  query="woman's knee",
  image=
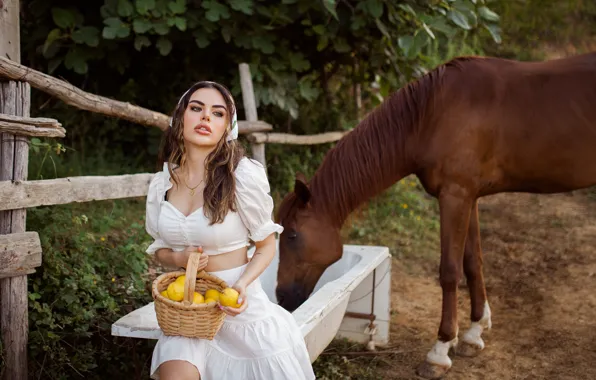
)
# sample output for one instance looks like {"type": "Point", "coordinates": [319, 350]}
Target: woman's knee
{"type": "Point", "coordinates": [178, 370]}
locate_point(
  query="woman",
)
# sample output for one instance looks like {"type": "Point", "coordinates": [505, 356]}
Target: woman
{"type": "Point", "coordinates": [211, 198]}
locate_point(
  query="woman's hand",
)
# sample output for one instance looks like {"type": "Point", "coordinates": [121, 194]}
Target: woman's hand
{"type": "Point", "coordinates": [203, 260]}
{"type": "Point", "coordinates": [234, 311]}
{"type": "Point", "coordinates": [190, 250]}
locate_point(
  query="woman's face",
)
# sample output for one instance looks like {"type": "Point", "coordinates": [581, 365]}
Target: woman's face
{"type": "Point", "coordinates": [205, 118]}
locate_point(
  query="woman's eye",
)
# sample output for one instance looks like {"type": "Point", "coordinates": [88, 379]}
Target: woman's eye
{"type": "Point", "coordinates": [218, 114]}
{"type": "Point", "coordinates": [195, 108]}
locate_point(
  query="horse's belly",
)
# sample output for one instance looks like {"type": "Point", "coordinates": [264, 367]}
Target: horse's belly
{"type": "Point", "coordinates": [553, 172]}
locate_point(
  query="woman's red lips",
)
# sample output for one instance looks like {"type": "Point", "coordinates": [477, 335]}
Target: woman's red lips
{"type": "Point", "coordinates": [203, 128]}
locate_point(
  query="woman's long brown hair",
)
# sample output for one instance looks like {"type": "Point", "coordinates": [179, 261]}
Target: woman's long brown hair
{"type": "Point", "coordinates": [220, 185]}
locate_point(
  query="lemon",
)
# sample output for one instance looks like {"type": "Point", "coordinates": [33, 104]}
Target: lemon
{"type": "Point", "coordinates": [164, 293]}
{"type": "Point", "coordinates": [181, 279]}
{"type": "Point", "coordinates": [213, 294]}
{"type": "Point", "coordinates": [209, 300]}
{"type": "Point", "coordinates": [229, 297]}
{"type": "Point", "coordinates": [198, 298]}
{"type": "Point", "coordinates": [176, 291]}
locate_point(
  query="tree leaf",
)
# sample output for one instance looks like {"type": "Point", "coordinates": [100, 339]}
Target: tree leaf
{"type": "Point", "coordinates": [53, 36]}
{"type": "Point", "coordinates": [141, 25]}
{"type": "Point", "coordinates": [161, 27]}
{"type": "Point", "coordinates": [494, 31]}
{"type": "Point", "coordinates": [459, 19]}
{"type": "Point", "coordinates": [319, 29]}
{"type": "Point", "coordinates": [202, 41]}
{"type": "Point", "coordinates": [53, 65]}
{"type": "Point", "coordinates": [215, 11]}
{"type": "Point", "coordinates": [88, 35]}
{"type": "Point", "coordinates": [244, 6]}
{"type": "Point", "coordinates": [115, 28]}
{"type": "Point", "coordinates": [125, 8]}
{"type": "Point", "coordinates": [264, 44]}
{"type": "Point", "coordinates": [177, 7]}
{"type": "Point", "coordinates": [405, 43]}
{"type": "Point", "coordinates": [141, 42]}
{"type": "Point", "coordinates": [307, 90]}
{"type": "Point", "coordinates": [64, 18]}
{"type": "Point", "coordinates": [330, 6]}
{"type": "Point", "coordinates": [180, 23]}
{"type": "Point", "coordinates": [421, 39]}
{"type": "Point", "coordinates": [382, 28]}
{"type": "Point", "coordinates": [408, 9]}
{"type": "Point", "coordinates": [298, 62]}
{"type": "Point", "coordinates": [74, 60]}
{"type": "Point", "coordinates": [323, 42]}
{"type": "Point", "coordinates": [439, 24]}
{"type": "Point", "coordinates": [428, 31]}
{"type": "Point", "coordinates": [488, 14]}
{"type": "Point", "coordinates": [144, 6]}
{"type": "Point", "coordinates": [226, 33]}
{"type": "Point", "coordinates": [341, 46]}
{"type": "Point", "coordinates": [375, 8]}
{"type": "Point", "coordinates": [164, 46]}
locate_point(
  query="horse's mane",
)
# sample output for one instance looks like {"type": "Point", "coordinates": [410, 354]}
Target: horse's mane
{"type": "Point", "coordinates": [374, 154]}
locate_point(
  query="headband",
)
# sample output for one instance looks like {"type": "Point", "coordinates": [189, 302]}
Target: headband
{"type": "Point", "coordinates": [233, 124]}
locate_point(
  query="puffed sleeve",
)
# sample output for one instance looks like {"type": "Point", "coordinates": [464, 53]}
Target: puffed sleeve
{"type": "Point", "coordinates": [152, 209]}
{"type": "Point", "coordinates": [254, 202]}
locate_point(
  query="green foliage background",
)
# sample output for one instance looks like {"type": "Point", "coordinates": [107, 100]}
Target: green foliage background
{"type": "Point", "coordinates": [308, 58]}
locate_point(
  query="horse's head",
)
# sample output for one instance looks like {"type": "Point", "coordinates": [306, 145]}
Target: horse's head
{"type": "Point", "coordinates": [307, 246]}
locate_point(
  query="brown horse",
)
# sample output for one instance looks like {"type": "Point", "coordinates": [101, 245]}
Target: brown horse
{"type": "Point", "coordinates": [470, 128]}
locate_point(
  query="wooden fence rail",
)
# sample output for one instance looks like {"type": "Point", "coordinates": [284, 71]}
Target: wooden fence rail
{"type": "Point", "coordinates": [25, 194]}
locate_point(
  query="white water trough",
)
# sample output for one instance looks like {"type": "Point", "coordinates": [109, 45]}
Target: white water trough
{"type": "Point", "coordinates": [343, 297]}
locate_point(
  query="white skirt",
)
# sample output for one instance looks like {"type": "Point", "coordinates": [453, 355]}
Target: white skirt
{"type": "Point", "coordinates": [263, 342]}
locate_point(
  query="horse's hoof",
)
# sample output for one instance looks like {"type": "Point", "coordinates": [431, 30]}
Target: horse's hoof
{"type": "Point", "coordinates": [468, 350]}
{"type": "Point", "coordinates": [431, 371]}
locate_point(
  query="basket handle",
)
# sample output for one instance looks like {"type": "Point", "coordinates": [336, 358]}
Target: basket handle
{"type": "Point", "coordinates": [191, 277]}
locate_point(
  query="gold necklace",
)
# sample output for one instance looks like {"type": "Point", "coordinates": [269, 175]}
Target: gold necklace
{"type": "Point", "coordinates": [192, 189]}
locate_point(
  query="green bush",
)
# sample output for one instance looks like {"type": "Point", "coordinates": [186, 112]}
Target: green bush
{"type": "Point", "coordinates": [94, 271]}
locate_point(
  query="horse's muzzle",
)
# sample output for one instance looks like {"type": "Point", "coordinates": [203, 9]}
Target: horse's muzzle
{"type": "Point", "coordinates": [290, 297]}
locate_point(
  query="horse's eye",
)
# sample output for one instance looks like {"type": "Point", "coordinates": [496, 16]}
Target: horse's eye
{"type": "Point", "coordinates": [292, 234]}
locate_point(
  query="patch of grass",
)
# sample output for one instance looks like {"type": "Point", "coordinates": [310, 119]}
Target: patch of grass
{"type": "Point", "coordinates": [403, 218]}
{"type": "Point", "coordinates": [335, 364]}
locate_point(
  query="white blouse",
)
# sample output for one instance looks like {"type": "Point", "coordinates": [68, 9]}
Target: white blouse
{"type": "Point", "coordinates": [171, 229]}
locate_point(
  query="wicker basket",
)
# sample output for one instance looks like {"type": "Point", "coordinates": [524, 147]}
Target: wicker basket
{"type": "Point", "coordinates": [185, 318]}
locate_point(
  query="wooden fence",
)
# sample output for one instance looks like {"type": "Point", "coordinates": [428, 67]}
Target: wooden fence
{"type": "Point", "coordinates": [20, 251]}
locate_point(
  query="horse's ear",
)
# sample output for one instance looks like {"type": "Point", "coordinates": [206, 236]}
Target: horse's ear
{"type": "Point", "coordinates": [301, 189]}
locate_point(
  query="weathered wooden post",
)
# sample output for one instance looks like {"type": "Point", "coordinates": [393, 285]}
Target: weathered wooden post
{"type": "Point", "coordinates": [250, 107]}
{"type": "Point", "coordinates": [14, 156]}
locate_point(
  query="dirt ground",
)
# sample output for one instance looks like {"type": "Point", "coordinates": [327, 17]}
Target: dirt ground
{"type": "Point", "coordinates": [540, 273]}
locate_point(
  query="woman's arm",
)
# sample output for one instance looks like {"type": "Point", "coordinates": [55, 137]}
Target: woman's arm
{"type": "Point", "coordinates": [264, 253]}
{"type": "Point", "coordinates": [169, 258]}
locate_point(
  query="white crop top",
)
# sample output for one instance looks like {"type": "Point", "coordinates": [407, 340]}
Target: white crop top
{"type": "Point", "coordinates": [171, 229]}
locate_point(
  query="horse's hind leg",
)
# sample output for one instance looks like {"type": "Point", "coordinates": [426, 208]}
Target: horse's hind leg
{"type": "Point", "coordinates": [471, 343]}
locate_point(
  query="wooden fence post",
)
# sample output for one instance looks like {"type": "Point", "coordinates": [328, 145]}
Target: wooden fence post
{"type": "Point", "coordinates": [14, 156]}
{"type": "Point", "coordinates": [250, 107]}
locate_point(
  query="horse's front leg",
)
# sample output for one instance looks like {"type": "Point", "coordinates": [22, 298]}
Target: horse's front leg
{"type": "Point", "coordinates": [471, 343]}
{"type": "Point", "coordinates": [455, 204]}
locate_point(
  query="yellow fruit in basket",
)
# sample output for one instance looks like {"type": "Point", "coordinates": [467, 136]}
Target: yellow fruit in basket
{"type": "Point", "coordinates": [181, 279]}
{"type": "Point", "coordinates": [213, 294]}
{"type": "Point", "coordinates": [176, 291]}
{"type": "Point", "coordinates": [164, 293]}
{"type": "Point", "coordinates": [209, 300]}
{"type": "Point", "coordinates": [229, 297]}
{"type": "Point", "coordinates": [198, 298]}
